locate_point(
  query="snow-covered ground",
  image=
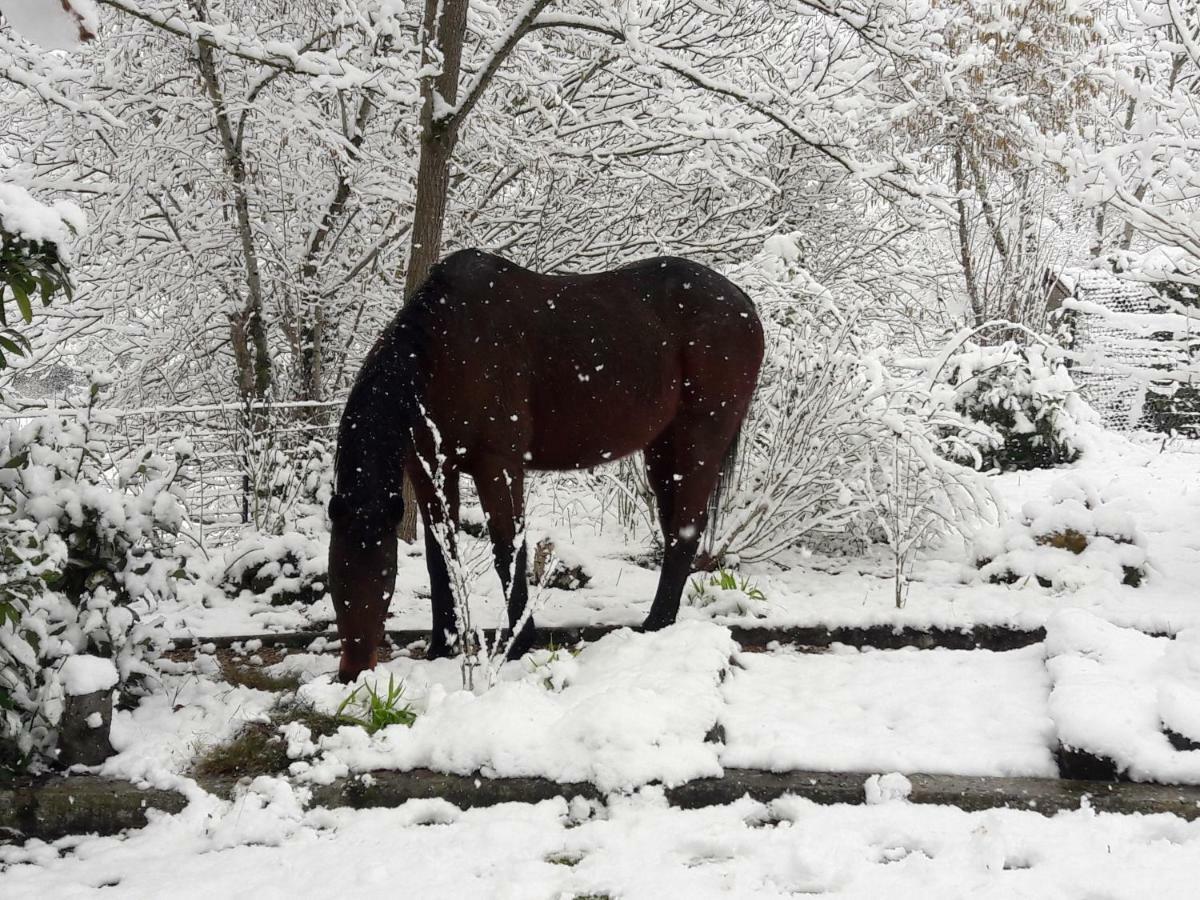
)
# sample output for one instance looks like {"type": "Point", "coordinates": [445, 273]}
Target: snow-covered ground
{"type": "Point", "coordinates": [630, 712]}
{"type": "Point", "coordinates": [951, 711]}
{"type": "Point", "coordinates": [265, 845]}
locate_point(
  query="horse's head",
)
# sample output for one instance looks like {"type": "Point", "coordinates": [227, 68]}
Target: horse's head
{"type": "Point", "coordinates": [362, 576]}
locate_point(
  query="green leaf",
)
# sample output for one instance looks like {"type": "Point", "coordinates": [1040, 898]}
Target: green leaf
{"type": "Point", "coordinates": [22, 301]}
{"type": "Point", "coordinates": [18, 347]}
{"type": "Point", "coordinates": [9, 613]}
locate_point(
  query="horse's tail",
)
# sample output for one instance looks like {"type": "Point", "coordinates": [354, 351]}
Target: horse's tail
{"type": "Point", "coordinates": [724, 479]}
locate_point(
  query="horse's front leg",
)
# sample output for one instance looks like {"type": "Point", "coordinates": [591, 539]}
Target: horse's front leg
{"type": "Point", "coordinates": [444, 635]}
{"type": "Point", "coordinates": [439, 517]}
{"type": "Point", "coordinates": [501, 493]}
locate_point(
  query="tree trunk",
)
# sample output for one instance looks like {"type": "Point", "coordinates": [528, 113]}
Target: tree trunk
{"type": "Point", "coordinates": [964, 239]}
{"type": "Point", "coordinates": [445, 27]}
{"type": "Point", "coordinates": [247, 327]}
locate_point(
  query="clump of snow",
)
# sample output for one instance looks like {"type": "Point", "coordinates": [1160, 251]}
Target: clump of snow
{"type": "Point", "coordinates": [629, 709]}
{"type": "Point", "coordinates": [1069, 540]}
{"type": "Point", "coordinates": [27, 218]}
{"type": "Point", "coordinates": [1116, 689]}
{"type": "Point", "coordinates": [84, 674]}
{"type": "Point", "coordinates": [887, 788]}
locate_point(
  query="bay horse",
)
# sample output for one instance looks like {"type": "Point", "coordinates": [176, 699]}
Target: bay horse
{"type": "Point", "coordinates": [492, 369]}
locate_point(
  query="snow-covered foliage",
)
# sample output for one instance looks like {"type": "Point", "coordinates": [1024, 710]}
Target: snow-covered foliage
{"type": "Point", "coordinates": [1021, 409]}
{"type": "Point", "coordinates": [836, 442]}
{"type": "Point", "coordinates": [1070, 540]}
{"type": "Point", "coordinates": [87, 538]}
{"type": "Point", "coordinates": [725, 593]}
{"type": "Point", "coordinates": [284, 568]}
{"type": "Point", "coordinates": [283, 557]}
{"type": "Point", "coordinates": [34, 253]}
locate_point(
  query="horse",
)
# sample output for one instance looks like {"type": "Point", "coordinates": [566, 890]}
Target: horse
{"type": "Point", "coordinates": [491, 370]}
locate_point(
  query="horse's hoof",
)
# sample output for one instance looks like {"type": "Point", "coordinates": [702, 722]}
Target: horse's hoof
{"type": "Point", "coordinates": [655, 623]}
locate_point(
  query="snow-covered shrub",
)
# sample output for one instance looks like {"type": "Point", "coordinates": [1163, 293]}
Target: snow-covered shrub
{"type": "Point", "coordinates": [818, 457]}
{"type": "Point", "coordinates": [1021, 410]}
{"type": "Point", "coordinates": [86, 539]}
{"type": "Point", "coordinates": [1069, 540]}
{"type": "Point", "coordinates": [290, 484]}
{"type": "Point", "coordinates": [281, 569]}
{"type": "Point", "coordinates": [285, 559]}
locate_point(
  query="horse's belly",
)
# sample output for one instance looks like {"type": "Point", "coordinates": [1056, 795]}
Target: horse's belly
{"type": "Point", "coordinates": [598, 419]}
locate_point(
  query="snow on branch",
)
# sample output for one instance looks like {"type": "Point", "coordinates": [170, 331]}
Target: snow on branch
{"type": "Point", "coordinates": [330, 71]}
{"type": "Point", "coordinates": [890, 173]}
{"type": "Point", "coordinates": [522, 22]}
{"type": "Point", "coordinates": [1187, 32]}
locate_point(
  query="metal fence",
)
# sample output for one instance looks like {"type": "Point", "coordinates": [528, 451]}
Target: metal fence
{"type": "Point", "coordinates": [1114, 325]}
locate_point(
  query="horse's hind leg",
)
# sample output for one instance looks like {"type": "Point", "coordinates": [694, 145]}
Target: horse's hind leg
{"type": "Point", "coordinates": [698, 448]}
{"type": "Point", "coordinates": [660, 471]}
{"type": "Point", "coordinates": [501, 493]}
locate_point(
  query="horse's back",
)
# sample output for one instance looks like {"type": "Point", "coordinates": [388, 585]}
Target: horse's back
{"type": "Point", "coordinates": [590, 367]}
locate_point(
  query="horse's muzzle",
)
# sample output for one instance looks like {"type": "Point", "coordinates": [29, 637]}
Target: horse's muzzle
{"type": "Point", "coordinates": [354, 664]}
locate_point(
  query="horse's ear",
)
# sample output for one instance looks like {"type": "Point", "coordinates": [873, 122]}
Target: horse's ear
{"type": "Point", "coordinates": [339, 509]}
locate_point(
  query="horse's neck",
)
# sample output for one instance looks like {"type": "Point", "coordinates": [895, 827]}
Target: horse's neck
{"type": "Point", "coordinates": [376, 433]}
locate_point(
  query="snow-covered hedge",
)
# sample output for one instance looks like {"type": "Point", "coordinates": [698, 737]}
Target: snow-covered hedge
{"type": "Point", "coordinates": [86, 537]}
{"type": "Point", "coordinates": [1071, 539]}
{"type": "Point", "coordinates": [1022, 410]}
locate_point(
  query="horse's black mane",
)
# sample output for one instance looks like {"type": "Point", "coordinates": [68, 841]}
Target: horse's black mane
{"type": "Point", "coordinates": [376, 427]}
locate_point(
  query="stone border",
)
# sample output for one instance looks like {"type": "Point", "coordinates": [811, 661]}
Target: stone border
{"type": "Point", "coordinates": [882, 637]}
{"type": "Point", "coordinates": [54, 807]}
{"type": "Point", "coordinates": [50, 808]}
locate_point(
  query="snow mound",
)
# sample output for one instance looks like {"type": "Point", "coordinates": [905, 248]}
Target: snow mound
{"type": "Point", "coordinates": [1116, 692]}
{"type": "Point", "coordinates": [956, 711]}
{"type": "Point", "coordinates": [886, 788]}
{"type": "Point", "coordinates": [1070, 540]}
{"type": "Point", "coordinates": [628, 710]}
{"type": "Point", "coordinates": [84, 674]}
